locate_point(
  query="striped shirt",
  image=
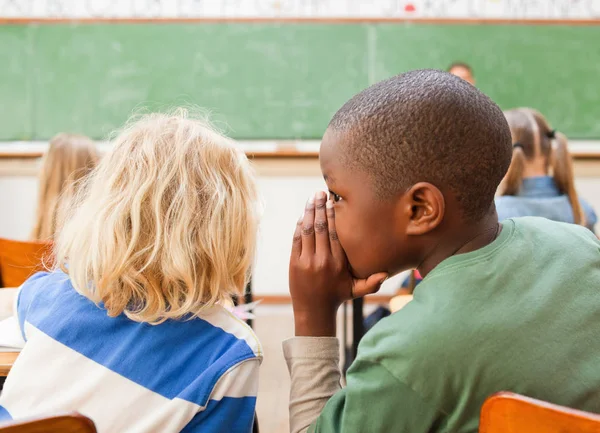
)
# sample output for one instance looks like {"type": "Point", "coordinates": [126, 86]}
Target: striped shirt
{"type": "Point", "coordinates": [188, 376]}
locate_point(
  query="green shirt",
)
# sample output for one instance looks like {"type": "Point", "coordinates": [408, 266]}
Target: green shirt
{"type": "Point", "coordinates": [521, 314]}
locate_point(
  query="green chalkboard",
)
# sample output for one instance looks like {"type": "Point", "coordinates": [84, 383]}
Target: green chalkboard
{"type": "Point", "coordinates": [279, 80]}
{"type": "Point", "coordinates": [263, 81]}
{"type": "Point", "coordinates": [555, 69]}
{"type": "Point", "coordinates": [16, 93]}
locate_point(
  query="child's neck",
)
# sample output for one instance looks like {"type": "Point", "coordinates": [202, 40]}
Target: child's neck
{"type": "Point", "coordinates": [528, 173]}
{"type": "Point", "coordinates": [536, 168]}
{"type": "Point", "coordinates": [475, 237]}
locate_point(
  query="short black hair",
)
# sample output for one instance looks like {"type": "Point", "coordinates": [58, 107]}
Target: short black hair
{"type": "Point", "coordinates": [460, 65]}
{"type": "Point", "coordinates": [430, 126]}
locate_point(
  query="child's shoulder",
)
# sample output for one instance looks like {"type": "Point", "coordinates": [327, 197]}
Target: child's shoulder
{"type": "Point", "coordinates": [42, 286]}
{"type": "Point", "coordinates": [221, 318]}
{"type": "Point", "coordinates": [590, 213]}
{"type": "Point", "coordinates": [215, 322]}
{"type": "Point", "coordinates": [45, 277]}
{"type": "Point", "coordinates": [548, 231]}
{"type": "Point", "coordinates": [418, 330]}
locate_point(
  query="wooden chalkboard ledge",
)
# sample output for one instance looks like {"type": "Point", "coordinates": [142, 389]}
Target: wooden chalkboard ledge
{"type": "Point", "coordinates": [581, 150]}
{"type": "Point", "coordinates": [587, 155]}
{"type": "Point", "coordinates": [585, 149]}
{"type": "Point", "coordinates": [20, 155]}
{"type": "Point", "coordinates": [255, 149]}
{"type": "Point", "coordinates": [285, 154]}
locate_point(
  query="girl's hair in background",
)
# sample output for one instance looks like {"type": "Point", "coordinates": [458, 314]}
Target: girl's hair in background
{"type": "Point", "coordinates": [167, 223]}
{"type": "Point", "coordinates": [532, 138]}
{"type": "Point", "coordinates": [69, 158]}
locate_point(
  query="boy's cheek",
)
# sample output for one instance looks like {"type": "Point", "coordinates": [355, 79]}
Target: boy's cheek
{"type": "Point", "coordinates": [359, 262]}
{"type": "Point", "coordinates": [371, 255]}
{"type": "Point", "coordinates": [357, 273]}
{"type": "Point", "coordinates": [350, 244]}
{"type": "Point", "coordinates": [357, 247]}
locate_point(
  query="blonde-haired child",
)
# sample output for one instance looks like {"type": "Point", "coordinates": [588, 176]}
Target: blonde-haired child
{"type": "Point", "coordinates": [69, 158]}
{"type": "Point", "coordinates": [540, 180]}
{"type": "Point", "coordinates": [130, 330]}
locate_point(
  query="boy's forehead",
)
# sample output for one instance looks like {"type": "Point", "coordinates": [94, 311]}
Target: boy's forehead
{"type": "Point", "coordinates": [329, 178]}
{"type": "Point", "coordinates": [328, 169]}
{"type": "Point", "coordinates": [330, 160]}
{"type": "Point", "coordinates": [334, 156]}
{"type": "Point", "coordinates": [334, 145]}
{"type": "Point", "coordinates": [337, 172]}
{"type": "Point", "coordinates": [336, 140]}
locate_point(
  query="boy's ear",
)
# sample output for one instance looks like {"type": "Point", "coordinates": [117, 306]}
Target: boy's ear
{"type": "Point", "coordinates": [425, 206]}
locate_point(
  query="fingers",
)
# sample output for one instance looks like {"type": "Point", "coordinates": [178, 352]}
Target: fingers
{"type": "Point", "coordinates": [368, 286]}
{"type": "Point", "coordinates": [308, 228]}
{"type": "Point", "coordinates": [334, 242]}
{"type": "Point", "coordinates": [321, 226]}
{"type": "Point", "coordinates": [297, 241]}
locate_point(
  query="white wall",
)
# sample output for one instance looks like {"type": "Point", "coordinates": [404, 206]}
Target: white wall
{"type": "Point", "coordinates": [504, 9]}
{"type": "Point", "coordinates": [283, 198]}
{"type": "Point", "coordinates": [18, 197]}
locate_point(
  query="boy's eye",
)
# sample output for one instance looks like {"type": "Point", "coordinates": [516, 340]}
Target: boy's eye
{"type": "Point", "coordinates": [334, 197]}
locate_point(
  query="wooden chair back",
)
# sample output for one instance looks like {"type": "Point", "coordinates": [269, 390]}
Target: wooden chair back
{"type": "Point", "coordinates": [507, 412]}
{"type": "Point", "coordinates": [72, 423]}
{"type": "Point", "coordinates": [19, 260]}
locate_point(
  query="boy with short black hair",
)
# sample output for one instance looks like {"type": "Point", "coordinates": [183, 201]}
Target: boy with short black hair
{"type": "Point", "coordinates": [412, 164]}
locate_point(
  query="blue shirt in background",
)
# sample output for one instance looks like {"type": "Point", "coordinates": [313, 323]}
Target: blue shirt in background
{"type": "Point", "coordinates": [539, 196]}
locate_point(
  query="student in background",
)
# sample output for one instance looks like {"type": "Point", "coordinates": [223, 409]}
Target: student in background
{"type": "Point", "coordinates": [130, 330]}
{"type": "Point", "coordinates": [412, 165]}
{"type": "Point", "coordinates": [540, 179]}
{"type": "Point", "coordinates": [463, 71]}
{"type": "Point", "coordinates": [69, 158]}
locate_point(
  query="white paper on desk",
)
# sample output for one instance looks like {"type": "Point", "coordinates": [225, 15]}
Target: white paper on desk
{"type": "Point", "coordinates": [10, 349]}
{"type": "Point", "coordinates": [10, 335]}
{"type": "Point", "coordinates": [7, 302]}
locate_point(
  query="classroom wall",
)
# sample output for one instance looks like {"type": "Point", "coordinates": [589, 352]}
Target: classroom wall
{"type": "Point", "coordinates": [282, 195]}
{"type": "Point", "coordinates": [284, 187]}
{"type": "Point", "coordinates": [283, 199]}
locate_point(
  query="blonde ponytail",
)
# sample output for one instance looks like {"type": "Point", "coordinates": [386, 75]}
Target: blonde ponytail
{"type": "Point", "coordinates": [562, 171]}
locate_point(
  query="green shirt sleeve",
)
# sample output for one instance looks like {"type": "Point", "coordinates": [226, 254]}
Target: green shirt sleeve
{"type": "Point", "coordinates": [375, 401]}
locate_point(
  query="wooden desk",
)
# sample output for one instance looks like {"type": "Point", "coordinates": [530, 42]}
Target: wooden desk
{"type": "Point", "coordinates": [7, 359]}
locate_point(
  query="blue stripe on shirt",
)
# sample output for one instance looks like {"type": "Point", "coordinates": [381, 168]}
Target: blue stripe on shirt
{"type": "Point", "coordinates": [4, 414]}
{"type": "Point", "coordinates": [231, 415]}
{"type": "Point", "coordinates": [181, 359]}
{"type": "Point", "coordinates": [24, 299]}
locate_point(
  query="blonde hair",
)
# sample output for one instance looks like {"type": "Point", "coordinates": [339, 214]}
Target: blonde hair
{"type": "Point", "coordinates": [69, 158]}
{"type": "Point", "coordinates": [167, 225]}
{"type": "Point", "coordinates": [533, 137]}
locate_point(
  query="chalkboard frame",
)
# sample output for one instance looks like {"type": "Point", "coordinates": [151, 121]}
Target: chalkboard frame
{"type": "Point", "coordinates": [429, 21]}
